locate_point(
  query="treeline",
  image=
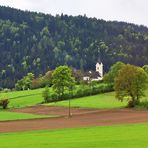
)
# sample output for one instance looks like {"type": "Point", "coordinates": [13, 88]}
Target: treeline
{"type": "Point", "coordinates": [35, 42]}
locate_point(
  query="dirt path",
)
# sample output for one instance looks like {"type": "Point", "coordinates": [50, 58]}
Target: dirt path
{"type": "Point", "coordinates": [81, 118]}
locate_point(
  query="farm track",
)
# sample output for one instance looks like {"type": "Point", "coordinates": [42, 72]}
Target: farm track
{"type": "Point", "coordinates": [80, 118]}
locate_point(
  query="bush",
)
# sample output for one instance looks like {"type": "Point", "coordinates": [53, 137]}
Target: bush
{"type": "Point", "coordinates": [46, 95]}
{"type": "Point", "coordinates": [79, 93]}
{"type": "Point", "coordinates": [143, 105]}
{"type": "Point", "coordinates": [4, 103]}
{"type": "Point", "coordinates": [88, 91]}
{"type": "Point", "coordinates": [66, 96]}
{"type": "Point", "coordinates": [82, 91]}
{"type": "Point", "coordinates": [54, 97]}
{"type": "Point", "coordinates": [5, 90]}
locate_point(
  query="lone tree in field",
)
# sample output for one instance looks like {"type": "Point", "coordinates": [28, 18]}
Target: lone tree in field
{"type": "Point", "coordinates": [62, 80]}
{"type": "Point", "coordinates": [130, 84]}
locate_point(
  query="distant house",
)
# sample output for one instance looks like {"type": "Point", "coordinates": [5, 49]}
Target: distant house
{"type": "Point", "coordinates": [94, 75]}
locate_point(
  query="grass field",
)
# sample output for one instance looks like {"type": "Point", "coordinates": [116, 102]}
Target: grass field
{"type": "Point", "coordinates": [123, 136]}
{"type": "Point", "coordinates": [20, 99]}
{"type": "Point", "coordinates": [4, 116]}
{"type": "Point", "coordinates": [16, 94]}
{"type": "Point", "coordinates": [25, 98]}
{"type": "Point", "coordinates": [26, 101]}
{"type": "Point", "coordinates": [106, 100]}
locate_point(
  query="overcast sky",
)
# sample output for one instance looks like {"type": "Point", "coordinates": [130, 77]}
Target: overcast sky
{"type": "Point", "coordinates": [134, 11]}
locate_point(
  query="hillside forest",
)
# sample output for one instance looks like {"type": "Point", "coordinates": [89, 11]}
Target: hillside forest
{"type": "Point", "coordinates": [36, 42]}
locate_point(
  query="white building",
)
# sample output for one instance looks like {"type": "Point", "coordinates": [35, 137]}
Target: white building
{"type": "Point", "coordinates": [94, 75]}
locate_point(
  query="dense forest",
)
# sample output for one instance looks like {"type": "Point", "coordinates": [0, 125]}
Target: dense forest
{"type": "Point", "coordinates": [37, 42]}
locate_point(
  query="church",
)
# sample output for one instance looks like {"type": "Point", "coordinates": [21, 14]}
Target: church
{"type": "Point", "coordinates": [94, 75]}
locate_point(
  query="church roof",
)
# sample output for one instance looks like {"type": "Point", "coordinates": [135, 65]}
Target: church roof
{"type": "Point", "coordinates": [92, 74]}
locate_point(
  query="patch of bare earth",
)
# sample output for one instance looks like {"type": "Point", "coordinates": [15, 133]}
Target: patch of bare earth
{"type": "Point", "coordinates": [80, 118]}
{"type": "Point", "coordinates": [52, 110]}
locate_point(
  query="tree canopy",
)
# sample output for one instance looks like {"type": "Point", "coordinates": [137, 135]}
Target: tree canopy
{"type": "Point", "coordinates": [113, 72]}
{"type": "Point", "coordinates": [130, 84]}
{"type": "Point", "coordinates": [25, 83]}
{"type": "Point", "coordinates": [62, 80]}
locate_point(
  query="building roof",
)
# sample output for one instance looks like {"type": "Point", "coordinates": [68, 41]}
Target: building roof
{"type": "Point", "coordinates": [92, 74]}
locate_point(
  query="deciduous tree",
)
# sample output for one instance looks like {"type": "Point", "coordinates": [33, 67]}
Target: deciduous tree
{"type": "Point", "coordinates": [62, 80]}
{"type": "Point", "coordinates": [130, 84]}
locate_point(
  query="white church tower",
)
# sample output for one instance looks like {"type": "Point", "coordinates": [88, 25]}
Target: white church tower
{"type": "Point", "coordinates": [99, 68]}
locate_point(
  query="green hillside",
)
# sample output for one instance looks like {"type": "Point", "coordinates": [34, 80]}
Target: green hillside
{"type": "Point", "coordinates": [35, 42]}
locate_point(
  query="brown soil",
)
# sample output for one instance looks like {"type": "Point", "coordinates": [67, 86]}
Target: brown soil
{"type": "Point", "coordinates": [52, 110]}
{"type": "Point", "coordinates": [80, 118]}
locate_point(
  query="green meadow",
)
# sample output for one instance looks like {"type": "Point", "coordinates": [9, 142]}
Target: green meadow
{"type": "Point", "coordinates": [122, 136]}
{"type": "Point", "coordinates": [7, 116]}
{"type": "Point", "coordinates": [19, 99]}
{"type": "Point", "coordinates": [17, 94]}
{"type": "Point", "coordinates": [129, 136]}
{"type": "Point", "coordinates": [100, 101]}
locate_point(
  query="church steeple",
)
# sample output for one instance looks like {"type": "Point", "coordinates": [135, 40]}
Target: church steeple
{"type": "Point", "coordinates": [99, 68]}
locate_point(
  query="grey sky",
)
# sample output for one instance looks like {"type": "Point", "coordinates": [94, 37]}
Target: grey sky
{"type": "Point", "coordinates": [134, 11]}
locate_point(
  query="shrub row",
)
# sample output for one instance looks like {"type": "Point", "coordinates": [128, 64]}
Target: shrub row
{"type": "Point", "coordinates": [82, 92]}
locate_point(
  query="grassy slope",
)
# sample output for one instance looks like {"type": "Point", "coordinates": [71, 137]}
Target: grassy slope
{"type": "Point", "coordinates": [33, 97]}
{"type": "Point", "coordinates": [17, 116]}
{"type": "Point", "coordinates": [21, 93]}
{"type": "Point", "coordinates": [26, 101]}
{"type": "Point", "coordinates": [106, 100]}
{"type": "Point", "coordinates": [23, 98]}
{"type": "Point", "coordinates": [125, 136]}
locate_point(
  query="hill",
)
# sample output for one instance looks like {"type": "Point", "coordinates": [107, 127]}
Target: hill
{"type": "Point", "coordinates": [36, 42]}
